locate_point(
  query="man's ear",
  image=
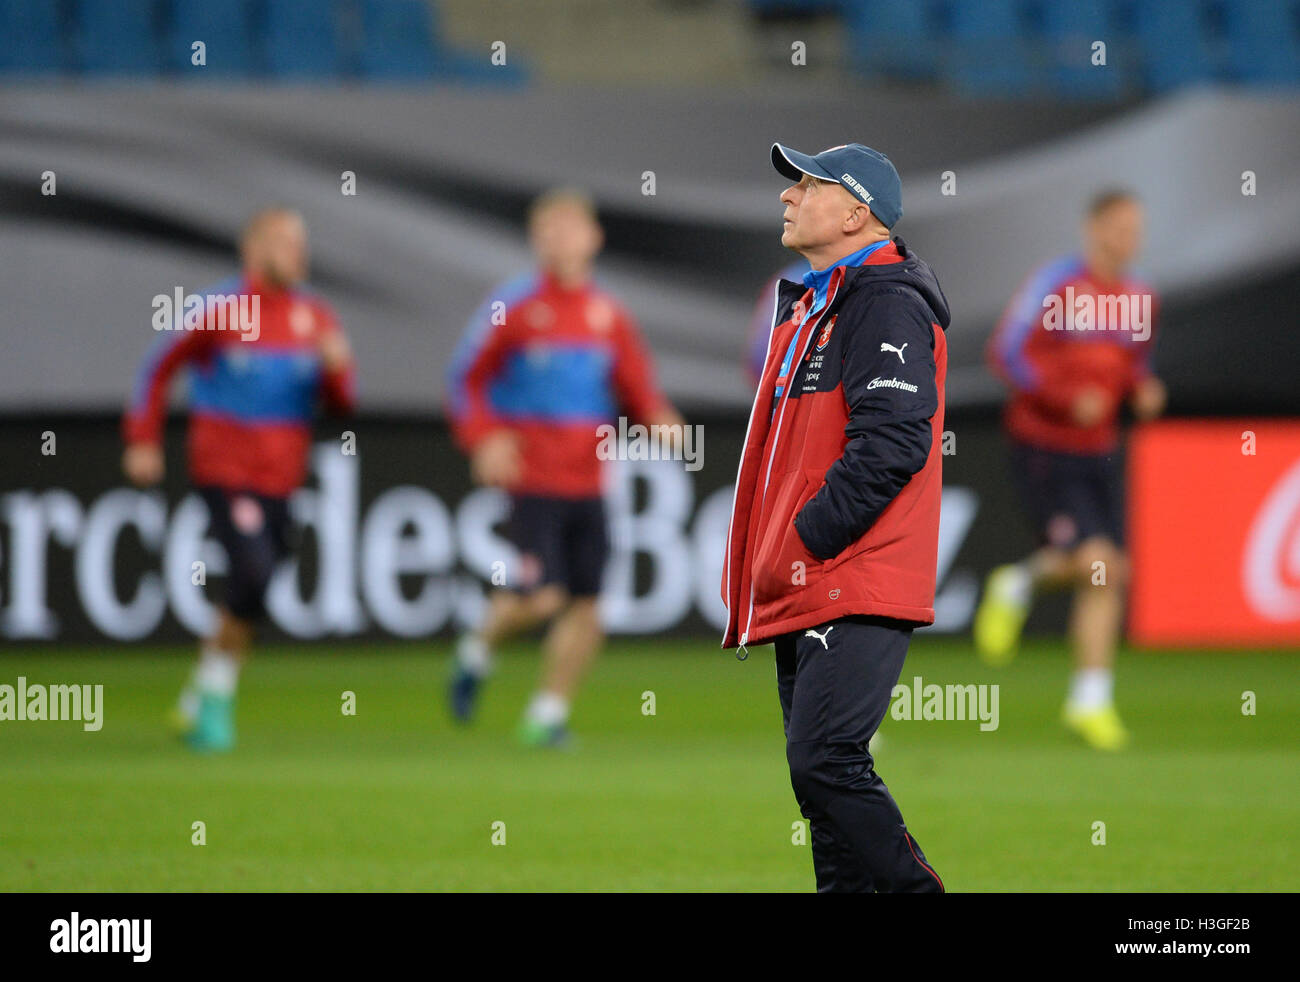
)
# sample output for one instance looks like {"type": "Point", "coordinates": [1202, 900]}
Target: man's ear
{"type": "Point", "coordinates": [858, 219]}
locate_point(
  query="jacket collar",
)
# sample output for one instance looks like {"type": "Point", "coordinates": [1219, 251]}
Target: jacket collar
{"type": "Point", "coordinates": [893, 251]}
{"type": "Point", "coordinates": [818, 279]}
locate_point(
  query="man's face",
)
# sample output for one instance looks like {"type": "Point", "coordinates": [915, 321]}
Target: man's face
{"type": "Point", "coordinates": [1116, 232]}
{"type": "Point", "coordinates": [564, 236]}
{"type": "Point", "coordinates": [277, 250]}
{"type": "Point", "coordinates": [815, 212]}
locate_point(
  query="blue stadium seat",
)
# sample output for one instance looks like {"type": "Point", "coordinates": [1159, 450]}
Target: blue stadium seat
{"type": "Point", "coordinates": [1069, 29]}
{"type": "Point", "coordinates": [31, 42]}
{"type": "Point", "coordinates": [118, 37]}
{"type": "Point", "coordinates": [397, 39]}
{"type": "Point", "coordinates": [304, 39]}
{"type": "Point", "coordinates": [892, 37]}
{"type": "Point", "coordinates": [1263, 41]}
{"type": "Point", "coordinates": [989, 54]}
{"type": "Point", "coordinates": [805, 8]}
{"type": "Point", "coordinates": [1175, 44]}
{"type": "Point", "coordinates": [224, 26]}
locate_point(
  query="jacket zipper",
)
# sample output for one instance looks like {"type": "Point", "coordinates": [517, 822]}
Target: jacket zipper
{"type": "Point", "coordinates": [758, 400]}
{"type": "Point", "coordinates": [776, 439]}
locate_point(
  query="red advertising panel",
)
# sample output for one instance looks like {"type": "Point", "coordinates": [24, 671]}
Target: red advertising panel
{"type": "Point", "coordinates": [1214, 524]}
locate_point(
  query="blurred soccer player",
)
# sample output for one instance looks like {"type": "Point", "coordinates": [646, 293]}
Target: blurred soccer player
{"type": "Point", "coordinates": [760, 321]}
{"type": "Point", "coordinates": [255, 383]}
{"type": "Point", "coordinates": [548, 359]}
{"type": "Point", "coordinates": [1075, 347]}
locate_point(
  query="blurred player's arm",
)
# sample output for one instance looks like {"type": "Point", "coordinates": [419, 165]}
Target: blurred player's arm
{"type": "Point", "coordinates": [635, 386]}
{"type": "Point", "coordinates": [1016, 355]}
{"type": "Point", "coordinates": [338, 384]}
{"type": "Point", "coordinates": [142, 424]}
{"type": "Point", "coordinates": [889, 431]}
{"type": "Point", "coordinates": [1147, 395]}
{"type": "Point", "coordinates": [1148, 398]}
{"type": "Point", "coordinates": [495, 458]}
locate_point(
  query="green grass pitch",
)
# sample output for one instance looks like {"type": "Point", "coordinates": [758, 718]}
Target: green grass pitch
{"type": "Point", "coordinates": [693, 798]}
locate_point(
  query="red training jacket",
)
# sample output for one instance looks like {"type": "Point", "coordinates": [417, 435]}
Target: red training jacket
{"type": "Point", "coordinates": [836, 507]}
{"type": "Point", "coordinates": [1103, 339]}
{"type": "Point", "coordinates": [252, 402]}
{"type": "Point", "coordinates": [551, 364]}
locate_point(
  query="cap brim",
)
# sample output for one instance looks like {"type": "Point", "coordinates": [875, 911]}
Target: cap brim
{"type": "Point", "coordinates": [793, 164]}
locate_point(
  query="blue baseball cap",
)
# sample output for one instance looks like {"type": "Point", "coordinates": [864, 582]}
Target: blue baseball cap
{"type": "Point", "coordinates": [866, 174]}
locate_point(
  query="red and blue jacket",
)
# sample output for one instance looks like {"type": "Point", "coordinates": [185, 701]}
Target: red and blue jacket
{"type": "Point", "coordinates": [1047, 364]}
{"type": "Point", "coordinates": [252, 399]}
{"type": "Point", "coordinates": [551, 364]}
{"type": "Point", "coordinates": [836, 508]}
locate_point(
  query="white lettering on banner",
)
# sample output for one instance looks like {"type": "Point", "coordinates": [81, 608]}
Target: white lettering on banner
{"type": "Point", "coordinates": [658, 531]}
{"type": "Point", "coordinates": [480, 546]}
{"type": "Point", "coordinates": [330, 511]}
{"type": "Point", "coordinates": [422, 564]}
{"type": "Point", "coordinates": [1270, 568]}
{"type": "Point", "coordinates": [32, 518]}
{"type": "Point", "coordinates": [954, 603]}
{"type": "Point", "coordinates": [97, 561]}
{"type": "Point", "coordinates": [388, 553]}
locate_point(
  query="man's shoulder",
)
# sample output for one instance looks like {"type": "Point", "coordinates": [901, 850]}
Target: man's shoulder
{"type": "Point", "coordinates": [880, 303]}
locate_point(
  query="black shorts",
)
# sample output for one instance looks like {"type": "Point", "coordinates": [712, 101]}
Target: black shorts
{"type": "Point", "coordinates": [1070, 497]}
{"type": "Point", "coordinates": [256, 531]}
{"type": "Point", "coordinates": [561, 541]}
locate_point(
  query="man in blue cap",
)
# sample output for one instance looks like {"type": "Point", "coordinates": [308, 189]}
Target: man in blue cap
{"type": "Point", "coordinates": [834, 533]}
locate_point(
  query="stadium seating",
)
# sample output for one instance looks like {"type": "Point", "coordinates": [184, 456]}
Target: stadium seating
{"type": "Point", "coordinates": [1263, 41]}
{"type": "Point", "coordinates": [1044, 47]}
{"type": "Point", "coordinates": [995, 48]}
{"type": "Point", "coordinates": [891, 37]}
{"type": "Point", "coordinates": [225, 28]}
{"type": "Point", "coordinates": [988, 51]}
{"type": "Point", "coordinates": [32, 41]}
{"type": "Point", "coordinates": [802, 8]}
{"type": "Point", "coordinates": [1070, 30]}
{"type": "Point", "coordinates": [1176, 47]}
{"type": "Point", "coordinates": [117, 37]}
{"type": "Point", "coordinates": [396, 39]}
{"type": "Point", "coordinates": [292, 40]}
{"type": "Point", "coordinates": [304, 39]}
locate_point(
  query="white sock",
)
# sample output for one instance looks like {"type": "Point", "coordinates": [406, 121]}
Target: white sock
{"type": "Point", "coordinates": [548, 709]}
{"type": "Point", "coordinates": [1092, 688]}
{"type": "Point", "coordinates": [474, 655]}
{"type": "Point", "coordinates": [1020, 584]}
{"type": "Point", "coordinates": [218, 672]}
